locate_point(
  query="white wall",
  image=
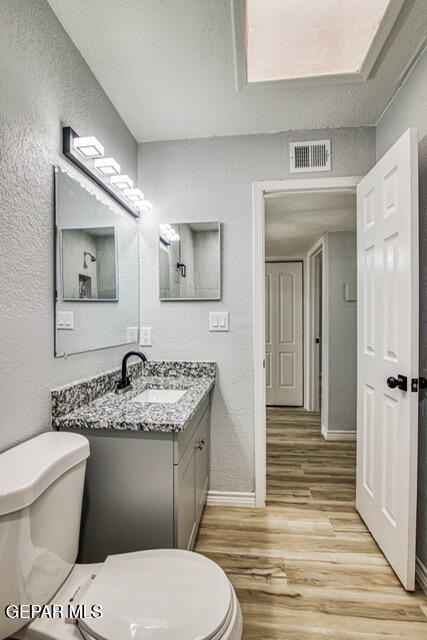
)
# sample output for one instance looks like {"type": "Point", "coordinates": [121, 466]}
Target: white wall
{"type": "Point", "coordinates": [206, 263]}
{"type": "Point", "coordinates": [43, 82]}
{"type": "Point", "coordinates": [339, 355]}
{"type": "Point", "coordinates": [106, 269]}
{"type": "Point", "coordinates": [211, 179]}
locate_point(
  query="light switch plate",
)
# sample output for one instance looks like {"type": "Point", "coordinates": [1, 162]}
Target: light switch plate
{"type": "Point", "coordinates": [65, 320]}
{"type": "Point", "coordinates": [132, 335]}
{"type": "Point", "coordinates": [145, 337]}
{"type": "Point", "coordinates": [218, 321]}
{"type": "Point", "coordinates": [350, 292]}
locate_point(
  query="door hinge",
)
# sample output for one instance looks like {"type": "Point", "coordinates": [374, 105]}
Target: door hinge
{"type": "Point", "coordinates": [414, 385]}
{"type": "Point", "coordinates": [263, 363]}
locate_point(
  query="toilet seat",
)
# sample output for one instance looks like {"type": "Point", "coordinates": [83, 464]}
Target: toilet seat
{"type": "Point", "coordinates": [167, 594]}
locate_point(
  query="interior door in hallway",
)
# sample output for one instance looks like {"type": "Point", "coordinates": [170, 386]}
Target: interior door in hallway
{"type": "Point", "coordinates": [387, 403]}
{"type": "Point", "coordinates": [284, 333]}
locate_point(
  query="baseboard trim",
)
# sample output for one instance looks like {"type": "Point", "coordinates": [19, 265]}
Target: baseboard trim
{"type": "Point", "coordinates": [337, 435]}
{"type": "Point", "coordinates": [421, 574]}
{"type": "Point", "coordinates": [231, 498]}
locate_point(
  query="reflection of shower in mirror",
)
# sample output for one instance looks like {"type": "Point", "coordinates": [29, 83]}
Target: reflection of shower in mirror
{"type": "Point", "coordinates": [92, 258]}
{"type": "Point", "coordinates": [89, 263]}
{"type": "Point", "coordinates": [190, 261]}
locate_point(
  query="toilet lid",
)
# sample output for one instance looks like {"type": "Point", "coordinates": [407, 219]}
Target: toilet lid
{"type": "Point", "coordinates": [158, 595]}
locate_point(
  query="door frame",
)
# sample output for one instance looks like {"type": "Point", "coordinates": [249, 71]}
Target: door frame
{"type": "Point", "coordinates": [312, 377]}
{"type": "Point", "coordinates": [259, 191]}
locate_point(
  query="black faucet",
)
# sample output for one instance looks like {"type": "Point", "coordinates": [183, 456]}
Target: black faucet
{"type": "Point", "coordinates": [124, 384]}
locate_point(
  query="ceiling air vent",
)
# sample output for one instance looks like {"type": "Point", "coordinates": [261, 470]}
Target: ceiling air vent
{"type": "Point", "coordinates": [310, 155]}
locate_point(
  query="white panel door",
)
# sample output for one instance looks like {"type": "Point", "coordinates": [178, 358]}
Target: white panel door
{"type": "Point", "coordinates": [284, 333]}
{"type": "Point", "coordinates": [387, 413]}
{"type": "Point", "coordinates": [270, 359]}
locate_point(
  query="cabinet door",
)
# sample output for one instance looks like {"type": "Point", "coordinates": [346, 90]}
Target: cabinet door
{"type": "Point", "coordinates": [202, 463]}
{"type": "Point", "coordinates": [128, 503]}
{"type": "Point", "coordinates": [185, 500]}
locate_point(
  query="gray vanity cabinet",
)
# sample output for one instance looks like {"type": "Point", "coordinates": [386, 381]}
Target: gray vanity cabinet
{"type": "Point", "coordinates": [185, 511]}
{"type": "Point", "coordinates": [202, 459]}
{"type": "Point", "coordinates": [144, 489]}
{"type": "Point", "coordinates": [191, 485]}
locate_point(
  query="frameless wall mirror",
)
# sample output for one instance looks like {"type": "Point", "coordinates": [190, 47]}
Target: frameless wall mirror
{"type": "Point", "coordinates": [96, 257]}
{"type": "Point", "coordinates": [190, 261]}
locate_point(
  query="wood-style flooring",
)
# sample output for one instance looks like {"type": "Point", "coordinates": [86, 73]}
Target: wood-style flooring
{"type": "Point", "coordinates": [305, 567]}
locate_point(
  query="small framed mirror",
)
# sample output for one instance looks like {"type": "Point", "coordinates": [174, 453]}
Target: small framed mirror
{"type": "Point", "coordinates": [190, 261]}
{"type": "Point", "coordinates": [89, 264]}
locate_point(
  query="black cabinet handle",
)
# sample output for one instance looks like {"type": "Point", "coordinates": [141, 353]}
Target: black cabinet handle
{"type": "Point", "coordinates": [200, 445]}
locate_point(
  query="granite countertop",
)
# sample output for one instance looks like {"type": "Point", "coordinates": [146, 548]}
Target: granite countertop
{"type": "Point", "coordinates": [117, 411]}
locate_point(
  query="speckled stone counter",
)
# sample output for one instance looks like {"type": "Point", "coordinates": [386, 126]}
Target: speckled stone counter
{"type": "Point", "coordinates": [92, 403]}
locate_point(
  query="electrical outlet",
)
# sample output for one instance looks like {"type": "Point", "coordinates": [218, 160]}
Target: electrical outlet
{"type": "Point", "coordinates": [132, 335]}
{"type": "Point", "coordinates": [65, 320]}
{"type": "Point", "coordinates": [145, 337]}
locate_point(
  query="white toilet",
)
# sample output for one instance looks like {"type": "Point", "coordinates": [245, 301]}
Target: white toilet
{"type": "Point", "coordinates": [165, 594]}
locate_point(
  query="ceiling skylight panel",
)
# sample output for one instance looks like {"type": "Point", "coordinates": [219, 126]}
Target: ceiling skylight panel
{"type": "Point", "coordinates": [289, 39]}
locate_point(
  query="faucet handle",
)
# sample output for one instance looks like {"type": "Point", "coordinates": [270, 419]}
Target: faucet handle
{"type": "Point", "coordinates": [123, 386]}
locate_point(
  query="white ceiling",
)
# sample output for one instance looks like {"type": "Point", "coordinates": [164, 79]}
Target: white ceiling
{"type": "Point", "coordinates": [293, 223]}
{"type": "Point", "coordinates": [168, 67]}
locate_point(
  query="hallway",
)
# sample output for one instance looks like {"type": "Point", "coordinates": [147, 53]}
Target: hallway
{"type": "Point", "coordinates": [305, 567]}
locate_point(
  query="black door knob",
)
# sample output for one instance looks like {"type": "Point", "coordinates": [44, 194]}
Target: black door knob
{"type": "Point", "coordinates": [392, 382]}
{"type": "Point", "coordinates": [401, 382]}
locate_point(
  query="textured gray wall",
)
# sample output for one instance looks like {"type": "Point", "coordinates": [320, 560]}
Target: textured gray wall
{"type": "Point", "coordinates": [211, 179]}
{"type": "Point", "coordinates": [339, 356]}
{"type": "Point", "coordinates": [422, 413]}
{"type": "Point", "coordinates": [408, 109]}
{"type": "Point", "coordinates": [43, 81]}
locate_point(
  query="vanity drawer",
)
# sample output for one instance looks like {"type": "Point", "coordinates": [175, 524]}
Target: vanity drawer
{"type": "Point", "coordinates": [182, 439]}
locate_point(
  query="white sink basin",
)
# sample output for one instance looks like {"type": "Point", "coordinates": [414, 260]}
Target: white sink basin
{"type": "Point", "coordinates": [159, 395]}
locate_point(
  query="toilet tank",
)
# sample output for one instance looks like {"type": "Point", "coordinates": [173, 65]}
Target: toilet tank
{"type": "Point", "coordinates": [41, 490]}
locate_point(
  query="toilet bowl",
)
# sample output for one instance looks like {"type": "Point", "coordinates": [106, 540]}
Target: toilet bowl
{"type": "Point", "coordinates": [161, 594]}
{"type": "Point", "coordinates": [165, 594]}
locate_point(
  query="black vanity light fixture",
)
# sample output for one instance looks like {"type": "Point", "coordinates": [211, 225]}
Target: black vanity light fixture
{"type": "Point", "coordinates": [87, 154]}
